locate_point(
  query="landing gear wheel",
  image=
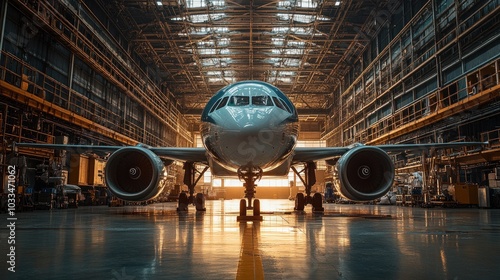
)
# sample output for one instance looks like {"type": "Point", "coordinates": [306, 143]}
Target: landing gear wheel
{"type": "Point", "coordinates": [299, 202]}
{"type": "Point", "coordinates": [317, 203]}
{"type": "Point", "coordinates": [199, 202]}
{"type": "Point", "coordinates": [256, 208]}
{"type": "Point", "coordinates": [183, 202]}
{"type": "Point", "coordinates": [243, 207]}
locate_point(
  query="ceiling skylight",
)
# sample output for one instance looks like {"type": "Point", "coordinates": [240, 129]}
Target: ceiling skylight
{"type": "Point", "coordinates": [200, 18]}
{"type": "Point", "coordinates": [190, 4]}
{"type": "Point", "coordinates": [287, 51]}
{"type": "Point", "coordinates": [216, 80]}
{"type": "Point", "coordinates": [300, 17]}
{"type": "Point", "coordinates": [293, 30]}
{"type": "Point", "coordinates": [215, 62]}
{"type": "Point", "coordinates": [222, 42]}
{"type": "Point", "coordinates": [312, 4]}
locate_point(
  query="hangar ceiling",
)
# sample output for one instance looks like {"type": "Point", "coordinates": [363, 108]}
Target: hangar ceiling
{"type": "Point", "coordinates": [304, 47]}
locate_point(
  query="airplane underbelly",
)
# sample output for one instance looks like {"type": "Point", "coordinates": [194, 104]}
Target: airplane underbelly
{"type": "Point", "coordinates": [265, 148]}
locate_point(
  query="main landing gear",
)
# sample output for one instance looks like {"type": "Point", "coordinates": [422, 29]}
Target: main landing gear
{"type": "Point", "coordinates": [191, 178]}
{"type": "Point", "coordinates": [249, 174]}
{"type": "Point", "coordinates": [308, 178]}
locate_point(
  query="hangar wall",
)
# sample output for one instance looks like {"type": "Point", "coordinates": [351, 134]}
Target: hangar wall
{"type": "Point", "coordinates": [448, 52]}
{"type": "Point", "coordinates": [59, 63]}
{"type": "Point", "coordinates": [68, 75]}
{"type": "Point", "coordinates": [432, 77]}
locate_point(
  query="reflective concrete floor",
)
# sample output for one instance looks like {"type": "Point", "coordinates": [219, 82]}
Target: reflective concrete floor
{"type": "Point", "coordinates": [346, 242]}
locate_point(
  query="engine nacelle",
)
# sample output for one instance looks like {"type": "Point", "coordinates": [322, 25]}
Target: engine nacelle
{"type": "Point", "coordinates": [135, 174]}
{"type": "Point", "coordinates": [364, 173]}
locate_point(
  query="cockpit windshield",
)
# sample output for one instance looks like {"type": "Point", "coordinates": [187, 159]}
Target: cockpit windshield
{"type": "Point", "coordinates": [238, 101]}
{"type": "Point", "coordinates": [262, 101]}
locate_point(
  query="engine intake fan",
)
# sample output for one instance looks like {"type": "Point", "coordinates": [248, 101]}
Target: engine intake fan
{"type": "Point", "coordinates": [364, 173]}
{"type": "Point", "coordinates": [135, 174]}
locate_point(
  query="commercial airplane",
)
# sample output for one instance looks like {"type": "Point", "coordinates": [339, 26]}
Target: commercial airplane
{"type": "Point", "coordinates": [249, 130]}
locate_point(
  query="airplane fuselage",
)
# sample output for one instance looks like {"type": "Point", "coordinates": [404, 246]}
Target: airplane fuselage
{"type": "Point", "coordinates": [250, 123]}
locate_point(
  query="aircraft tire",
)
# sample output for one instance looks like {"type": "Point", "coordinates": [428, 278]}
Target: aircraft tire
{"type": "Point", "coordinates": [243, 207]}
{"type": "Point", "coordinates": [317, 203]}
{"type": "Point", "coordinates": [183, 202]}
{"type": "Point", "coordinates": [256, 208]}
{"type": "Point", "coordinates": [299, 202]}
{"type": "Point", "coordinates": [200, 202]}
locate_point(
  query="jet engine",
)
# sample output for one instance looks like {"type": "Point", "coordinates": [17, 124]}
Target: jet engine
{"type": "Point", "coordinates": [364, 173]}
{"type": "Point", "coordinates": [135, 173]}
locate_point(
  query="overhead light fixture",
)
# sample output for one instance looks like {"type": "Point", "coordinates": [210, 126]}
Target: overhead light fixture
{"type": "Point", "coordinates": [337, 3]}
{"type": "Point", "coordinates": [159, 3]}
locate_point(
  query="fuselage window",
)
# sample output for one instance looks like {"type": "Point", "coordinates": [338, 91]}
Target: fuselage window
{"type": "Point", "coordinates": [222, 103]}
{"type": "Point", "coordinates": [262, 101]}
{"type": "Point", "coordinates": [239, 101]}
{"type": "Point", "coordinates": [279, 104]}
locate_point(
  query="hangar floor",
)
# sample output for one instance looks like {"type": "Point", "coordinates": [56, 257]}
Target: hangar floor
{"type": "Point", "coordinates": [346, 242]}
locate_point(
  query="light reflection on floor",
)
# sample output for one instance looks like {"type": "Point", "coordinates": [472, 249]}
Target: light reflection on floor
{"type": "Point", "coordinates": [346, 242]}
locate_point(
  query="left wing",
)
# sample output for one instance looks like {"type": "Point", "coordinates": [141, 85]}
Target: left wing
{"type": "Point", "coordinates": [314, 154]}
{"type": "Point", "coordinates": [326, 153]}
{"type": "Point", "coordinates": [172, 153]}
{"type": "Point", "coordinates": [425, 147]}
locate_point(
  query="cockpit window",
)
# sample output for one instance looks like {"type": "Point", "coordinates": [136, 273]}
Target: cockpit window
{"type": "Point", "coordinates": [239, 101]}
{"type": "Point", "coordinates": [215, 105]}
{"type": "Point", "coordinates": [262, 101]}
{"type": "Point", "coordinates": [279, 104]}
{"type": "Point", "coordinates": [286, 106]}
{"type": "Point", "coordinates": [222, 103]}
{"type": "Point", "coordinates": [219, 104]}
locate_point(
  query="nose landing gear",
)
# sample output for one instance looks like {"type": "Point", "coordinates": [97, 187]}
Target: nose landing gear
{"type": "Point", "coordinates": [249, 174]}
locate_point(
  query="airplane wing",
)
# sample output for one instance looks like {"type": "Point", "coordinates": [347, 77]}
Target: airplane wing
{"type": "Point", "coordinates": [172, 153]}
{"type": "Point", "coordinates": [313, 154]}
{"type": "Point", "coordinates": [326, 153]}
{"type": "Point", "coordinates": [425, 147]}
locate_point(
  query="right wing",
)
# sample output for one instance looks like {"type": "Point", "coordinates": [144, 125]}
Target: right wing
{"type": "Point", "coordinates": [172, 153]}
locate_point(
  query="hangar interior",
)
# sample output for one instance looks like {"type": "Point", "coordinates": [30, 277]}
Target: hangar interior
{"type": "Point", "coordinates": [376, 72]}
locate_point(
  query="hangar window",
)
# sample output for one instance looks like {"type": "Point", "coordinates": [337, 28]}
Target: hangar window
{"type": "Point", "coordinates": [239, 101]}
{"type": "Point", "coordinates": [262, 101]}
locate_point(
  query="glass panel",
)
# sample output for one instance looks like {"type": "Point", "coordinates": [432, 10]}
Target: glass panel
{"type": "Point", "coordinates": [278, 104]}
{"type": "Point", "coordinates": [239, 101]}
{"type": "Point", "coordinates": [215, 105]}
{"type": "Point", "coordinates": [223, 103]}
{"type": "Point", "coordinates": [262, 101]}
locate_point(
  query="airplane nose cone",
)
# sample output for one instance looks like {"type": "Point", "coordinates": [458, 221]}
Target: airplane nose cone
{"type": "Point", "coordinates": [255, 126]}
